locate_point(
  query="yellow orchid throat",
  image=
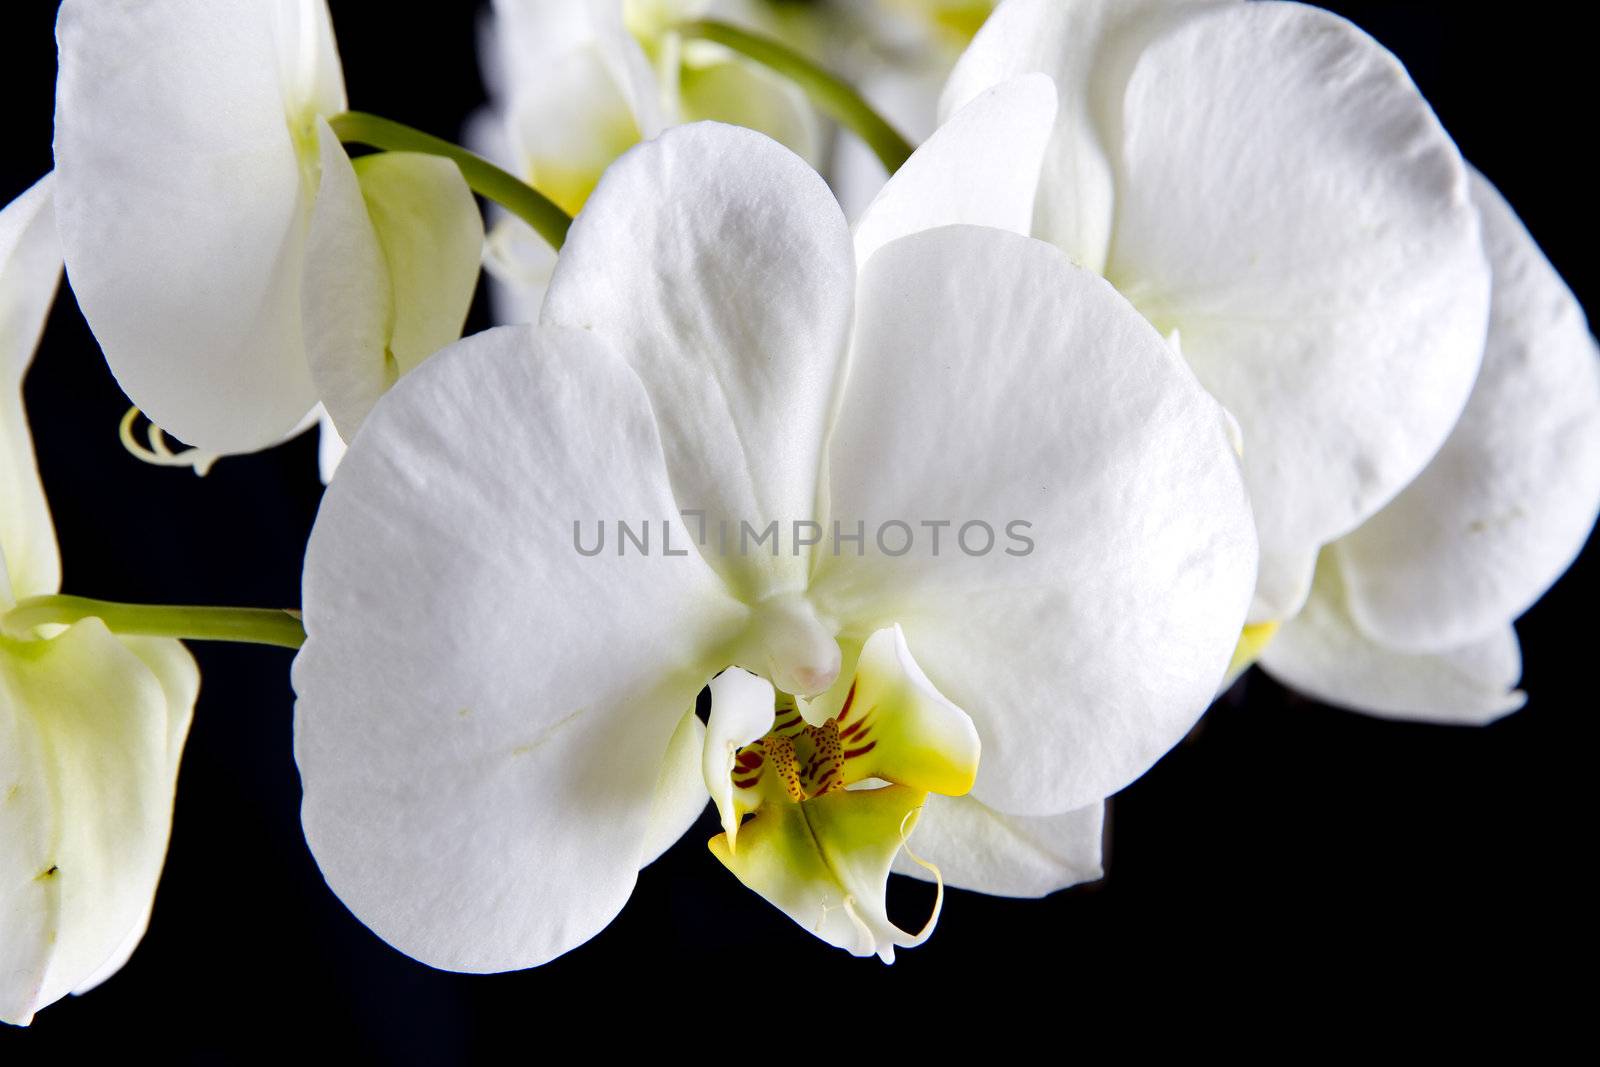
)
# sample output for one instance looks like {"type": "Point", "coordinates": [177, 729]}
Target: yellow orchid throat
{"type": "Point", "coordinates": [815, 812]}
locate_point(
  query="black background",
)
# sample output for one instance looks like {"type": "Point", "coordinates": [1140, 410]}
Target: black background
{"type": "Point", "coordinates": [1288, 863]}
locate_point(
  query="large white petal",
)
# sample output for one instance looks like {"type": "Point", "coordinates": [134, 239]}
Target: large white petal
{"type": "Point", "coordinates": [391, 265]}
{"type": "Point", "coordinates": [981, 167]}
{"type": "Point", "coordinates": [484, 713]}
{"type": "Point", "coordinates": [1085, 46]}
{"type": "Point", "coordinates": [978, 848]}
{"type": "Point", "coordinates": [1507, 504]}
{"type": "Point", "coordinates": [993, 381]}
{"type": "Point", "coordinates": [91, 731]}
{"type": "Point", "coordinates": [720, 266]}
{"type": "Point", "coordinates": [185, 165]}
{"type": "Point", "coordinates": [30, 268]}
{"type": "Point", "coordinates": [1289, 204]}
{"type": "Point", "coordinates": [1324, 654]}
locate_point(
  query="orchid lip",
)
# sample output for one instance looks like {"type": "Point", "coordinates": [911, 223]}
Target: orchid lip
{"type": "Point", "coordinates": [815, 812]}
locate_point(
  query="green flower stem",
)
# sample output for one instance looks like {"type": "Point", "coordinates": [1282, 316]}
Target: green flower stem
{"type": "Point", "coordinates": [256, 626]}
{"type": "Point", "coordinates": [486, 179]}
{"type": "Point", "coordinates": [829, 93]}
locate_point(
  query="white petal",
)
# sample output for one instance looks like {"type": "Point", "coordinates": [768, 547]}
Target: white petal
{"type": "Point", "coordinates": [981, 167]}
{"type": "Point", "coordinates": [1286, 199]}
{"type": "Point", "coordinates": [978, 848]}
{"type": "Point", "coordinates": [1085, 46]}
{"type": "Point", "coordinates": [179, 677]}
{"type": "Point", "coordinates": [1322, 653]}
{"type": "Point", "coordinates": [535, 36]}
{"type": "Point", "coordinates": [391, 265]}
{"type": "Point", "coordinates": [680, 791]}
{"type": "Point", "coordinates": [1508, 502]}
{"type": "Point", "coordinates": [570, 125]}
{"type": "Point", "coordinates": [992, 381]}
{"type": "Point", "coordinates": [519, 263]}
{"type": "Point", "coordinates": [183, 202]}
{"type": "Point", "coordinates": [330, 447]}
{"type": "Point", "coordinates": [90, 734]}
{"type": "Point", "coordinates": [308, 56]}
{"type": "Point", "coordinates": [572, 89]}
{"type": "Point", "coordinates": [483, 711]}
{"type": "Point", "coordinates": [517, 260]}
{"type": "Point", "coordinates": [742, 710]}
{"type": "Point", "coordinates": [30, 268]}
{"type": "Point", "coordinates": [347, 300]}
{"type": "Point", "coordinates": [720, 266]}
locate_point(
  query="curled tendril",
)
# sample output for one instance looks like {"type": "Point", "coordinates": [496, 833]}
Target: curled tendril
{"type": "Point", "coordinates": [938, 880]}
{"type": "Point", "coordinates": [158, 453]}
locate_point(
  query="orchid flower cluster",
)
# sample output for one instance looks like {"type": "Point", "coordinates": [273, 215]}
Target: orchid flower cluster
{"type": "Point", "coordinates": [903, 519]}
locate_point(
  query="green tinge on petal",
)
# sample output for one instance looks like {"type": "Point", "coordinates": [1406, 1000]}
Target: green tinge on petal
{"type": "Point", "coordinates": [91, 730]}
{"type": "Point", "coordinates": [432, 237]}
{"type": "Point", "coordinates": [564, 158]}
{"type": "Point", "coordinates": [29, 562]}
{"type": "Point", "coordinates": [30, 267]}
{"type": "Point", "coordinates": [958, 21]}
{"type": "Point", "coordinates": [825, 863]}
{"type": "Point", "coordinates": [648, 20]}
{"type": "Point", "coordinates": [740, 93]}
{"type": "Point", "coordinates": [392, 262]}
{"type": "Point", "coordinates": [680, 790]}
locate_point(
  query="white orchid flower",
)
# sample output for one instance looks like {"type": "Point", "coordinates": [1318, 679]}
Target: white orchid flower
{"type": "Point", "coordinates": [234, 264]}
{"type": "Point", "coordinates": [91, 725]}
{"type": "Point", "coordinates": [1263, 181]}
{"type": "Point", "coordinates": [575, 83]}
{"type": "Point", "coordinates": [495, 729]}
{"type": "Point", "coordinates": [1411, 614]}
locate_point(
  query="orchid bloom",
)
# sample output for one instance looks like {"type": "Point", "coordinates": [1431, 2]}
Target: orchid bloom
{"type": "Point", "coordinates": [1265, 184]}
{"type": "Point", "coordinates": [574, 83]}
{"type": "Point", "coordinates": [495, 725]}
{"type": "Point", "coordinates": [1411, 614]}
{"type": "Point", "coordinates": [234, 264]}
{"type": "Point", "coordinates": [91, 725]}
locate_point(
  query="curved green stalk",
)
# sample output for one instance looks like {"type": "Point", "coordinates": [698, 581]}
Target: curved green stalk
{"type": "Point", "coordinates": [484, 178]}
{"type": "Point", "coordinates": [256, 626]}
{"type": "Point", "coordinates": [829, 93]}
